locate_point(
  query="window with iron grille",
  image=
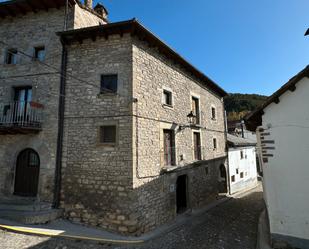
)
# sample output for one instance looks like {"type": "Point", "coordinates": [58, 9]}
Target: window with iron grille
{"type": "Point", "coordinates": [109, 83]}
{"type": "Point", "coordinates": [108, 134]}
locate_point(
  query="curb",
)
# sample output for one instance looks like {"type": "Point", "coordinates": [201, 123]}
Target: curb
{"type": "Point", "coordinates": [146, 237]}
{"type": "Point", "coordinates": [50, 234]}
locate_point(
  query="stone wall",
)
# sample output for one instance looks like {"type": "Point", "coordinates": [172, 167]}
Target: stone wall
{"type": "Point", "coordinates": [152, 73]}
{"type": "Point", "coordinates": [84, 18]}
{"type": "Point", "coordinates": [97, 179]}
{"type": "Point", "coordinates": [24, 32]}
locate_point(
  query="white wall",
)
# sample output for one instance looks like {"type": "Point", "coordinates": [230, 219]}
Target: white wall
{"type": "Point", "coordinates": [286, 175]}
{"type": "Point", "coordinates": [247, 165]}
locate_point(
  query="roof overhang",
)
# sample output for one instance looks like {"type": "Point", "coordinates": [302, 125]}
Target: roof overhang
{"type": "Point", "coordinates": [134, 28]}
{"type": "Point", "coordinates": [18, 7]}
{"type": "Point", "coordinates": [254, 119]}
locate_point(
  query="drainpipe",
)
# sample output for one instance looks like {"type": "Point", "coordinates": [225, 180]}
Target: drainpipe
{"type": "Point", "coordinates": [57, 184]}
{"type": "Point", "coordinates": [228, 183]}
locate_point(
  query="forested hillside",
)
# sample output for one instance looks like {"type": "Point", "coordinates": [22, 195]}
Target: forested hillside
{"type": "Point", "coordinates": [237, 105]}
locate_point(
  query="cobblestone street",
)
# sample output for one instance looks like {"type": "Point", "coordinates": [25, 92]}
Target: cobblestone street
{"type": "Point", "coordinates": [232, 225]}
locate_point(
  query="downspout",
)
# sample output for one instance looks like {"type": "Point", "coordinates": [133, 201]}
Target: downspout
{"type": "Point", "coordinates": [57, 186]}
{"type": "Point", "coordinates": [228, 182]}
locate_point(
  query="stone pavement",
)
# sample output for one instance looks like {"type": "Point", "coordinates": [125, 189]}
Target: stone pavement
{"type": "Point", "coordinates": [232, 225]}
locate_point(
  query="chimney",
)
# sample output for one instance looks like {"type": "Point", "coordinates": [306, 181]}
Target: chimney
{"type": "Point", "coordinates": [101, 10]}
{"type": "Point", "coordinates": [88, 4]}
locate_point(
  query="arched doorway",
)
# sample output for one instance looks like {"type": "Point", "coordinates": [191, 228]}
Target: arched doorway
{"type": "Point", "coordinates": [181, 194]}
{"type": "Point", "coordinates": [27, 173]}
{"type": "Point", "coordinates": [223, 179]}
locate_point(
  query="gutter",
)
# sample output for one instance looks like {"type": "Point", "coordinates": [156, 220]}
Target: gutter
{"type": "Point", "coordinates": [61, 107]}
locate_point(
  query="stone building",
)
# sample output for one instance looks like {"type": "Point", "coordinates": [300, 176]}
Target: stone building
{"type": "Point", "coordinates": [30, 62]}
{"type": "Point", "coordinates": [131, 133]}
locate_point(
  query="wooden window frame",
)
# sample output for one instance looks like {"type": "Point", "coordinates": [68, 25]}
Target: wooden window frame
{"type": "Point", "coordinates": [173, 147]}
{"type": "Point", "coordinates": [195, 100]}
{"type": "Point", "coordinates": [199, 157]}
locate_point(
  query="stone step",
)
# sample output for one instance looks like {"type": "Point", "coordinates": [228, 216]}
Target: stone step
{"type": "Point", "coordinates": [41, 206]}
{"type": "Point", "coordinates": [31, 217]}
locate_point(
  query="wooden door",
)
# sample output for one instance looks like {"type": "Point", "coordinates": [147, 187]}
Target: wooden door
{"type": "Point", "coordinates": [197, 145]}
{"type": "Point", "coordinates": [27, 173]}
{"type": "Point", "coordinates": [169, 149]}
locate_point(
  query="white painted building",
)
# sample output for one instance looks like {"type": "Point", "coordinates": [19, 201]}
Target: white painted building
{"type": "Point", "coordinates": [282, 126]}
{"type": "Point", "coordinates": [242, 172]}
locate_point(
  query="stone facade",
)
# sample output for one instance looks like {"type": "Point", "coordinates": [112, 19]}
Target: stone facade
{"type": "Point", "coordinates": [25, 32]}
{"type": "Point", "coordinates": [127, 188]}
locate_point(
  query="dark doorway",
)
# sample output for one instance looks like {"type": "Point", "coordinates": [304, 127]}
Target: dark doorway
{"type": "Point", "coordinates": [27, 173]}
{"type": "Point", "coordinates": [181, 194]}
{"type": "Point", "coordinates": [223, 179]}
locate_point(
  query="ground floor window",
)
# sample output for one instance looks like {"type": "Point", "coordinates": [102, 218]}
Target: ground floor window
{"type": "Point", "coordinates": [169, 147]}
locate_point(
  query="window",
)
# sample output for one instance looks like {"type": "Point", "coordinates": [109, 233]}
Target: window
{"type": "Point", "coordinates": [233, 178]}
{"type": "Point", "coordinates": [109, 83]}
{"type": "Point", "coordinates": [213, 113]}
{"type": "Point", "coordinates": [169, 147]}
{"type": "Point", "coordinates": [237, 171]}
{"type": "Point", "coordinates": [167, 97]}
{"type": "Point", "coordinates": [214, 141]}
{"type": "Point", "coordinates": [39, 53]}
{"type": "Point", "coordinates": [11, 56]}
{"type": "Point", "coordinates": [108, 134]}
{"type": "Point", "coordinates": [197, 146]}
{"type": "Point", "coordinates": [241, 154]}
{"type": "Point", "coordinates": [241, 174]}
{"type": "Point", "coordinates": [196, 109]}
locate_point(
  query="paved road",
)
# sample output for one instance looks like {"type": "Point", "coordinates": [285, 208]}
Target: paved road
{"type": "Point", "coordinates": [232, 225]}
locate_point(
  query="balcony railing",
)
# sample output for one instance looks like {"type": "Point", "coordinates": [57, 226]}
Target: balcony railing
{"type": "Point", "coordinates": [18, 115]}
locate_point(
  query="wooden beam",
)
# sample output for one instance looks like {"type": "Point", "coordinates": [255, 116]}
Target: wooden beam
{"type": "Point", "coordinates": [277, 100]}
{"type": "Point", "coordinates": [292, 88]}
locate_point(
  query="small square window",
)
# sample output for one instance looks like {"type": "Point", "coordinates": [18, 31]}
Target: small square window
{"type": "Point", "coordinates": [214, 143]}
{"type": "Point", "coordinates": [213, 113]}
{"type": "Point", "coordinates": [167, 98]}
{"type": "Point", "coordinates": [233, 178]}
{"type": "Point", "coordinates": [241, 174]}
{"type": "Point", "coordinates": [109, 83]}
{"type": "Point", "coordinates": [39, 53]}
{"type": "Point", "coordinates": [11, 56]}
{"type": "Point", "coordinates": [108, 134]}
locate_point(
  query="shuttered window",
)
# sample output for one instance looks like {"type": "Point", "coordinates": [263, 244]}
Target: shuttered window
{"type": "Point", "coordinates": [108, 134]}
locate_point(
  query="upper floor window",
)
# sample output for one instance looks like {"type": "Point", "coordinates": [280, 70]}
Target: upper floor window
{"type": "Point", "coordinates": [196, 109]}
{"type": "Point", "coordinates": [169, 147]}
{"type": "Point", "coordinates": [108, 135]}
{"type": "Point", "coordinates": [167, 97]}
{"type": "Point", "coordinates": [214, 141]}
{"type": "Point", "coordinates": [213, 113]}
{"type": "Point", "coordinates": [11, 56]}
{"type": "Point", "coordinates": [109, 83]}
{"type": "Point", "coordinates": [39, 53]}
{"type": "Point", "coordinates": [197, 146]}
{"type": "Point", "coordinates": [241, 154]}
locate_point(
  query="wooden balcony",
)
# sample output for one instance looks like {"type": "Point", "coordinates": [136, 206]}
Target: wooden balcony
{"type": "Point", "coordinates": [20, 117]}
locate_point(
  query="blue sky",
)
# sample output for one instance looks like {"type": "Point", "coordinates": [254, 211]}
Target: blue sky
{"type": "Point", "coordinates": [245, 46]}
